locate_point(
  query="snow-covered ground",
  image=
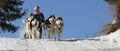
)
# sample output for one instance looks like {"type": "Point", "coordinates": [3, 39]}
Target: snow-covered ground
{"type": "Point", "coordinates": [102, 43]}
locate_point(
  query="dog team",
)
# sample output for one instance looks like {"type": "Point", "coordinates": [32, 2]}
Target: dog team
{"type": "Point", "coordinates": [53, 26]}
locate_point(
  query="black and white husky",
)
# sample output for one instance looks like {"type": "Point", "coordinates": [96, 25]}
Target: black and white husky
{"type": "Point", "coordinates": [32, 27]}
{"type": "Point", "coordinates": [53, 25]}
{"type": "Point", "coordinates": [59, 26]}
{"type": "Point", "coordinates": [49, 26]}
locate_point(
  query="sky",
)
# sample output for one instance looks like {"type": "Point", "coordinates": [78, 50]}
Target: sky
{"type": "Point", "coordinates": [82, 18]}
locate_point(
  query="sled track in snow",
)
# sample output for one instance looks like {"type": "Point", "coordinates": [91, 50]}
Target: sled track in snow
{"type": "Point", "coordinates": [72, 40]}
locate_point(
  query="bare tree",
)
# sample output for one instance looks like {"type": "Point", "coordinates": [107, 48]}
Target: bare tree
{"type": "Point", "coordinates": [115, 25]}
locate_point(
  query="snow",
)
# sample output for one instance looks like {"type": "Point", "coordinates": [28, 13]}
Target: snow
{"type": "Point", "coordinates": [109, 42]}
{"type": "Point", "coordinates": [115, 36]}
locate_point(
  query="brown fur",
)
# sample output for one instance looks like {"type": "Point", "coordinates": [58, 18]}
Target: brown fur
{"type": "Point", "coordinates": [109, 28]}
{"type": "Point", "coordinates": [112, 27]}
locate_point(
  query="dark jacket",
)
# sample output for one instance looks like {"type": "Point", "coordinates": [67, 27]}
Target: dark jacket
{"type": "Point", "coordinates": [40, 17]}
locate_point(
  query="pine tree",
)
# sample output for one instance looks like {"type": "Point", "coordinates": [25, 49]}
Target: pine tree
{"type": "Point", "coordinates": [10, 10]}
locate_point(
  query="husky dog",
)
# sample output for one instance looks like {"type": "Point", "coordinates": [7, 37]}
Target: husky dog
{"type": "Point", "coordinates": [59, 26]}
{"type": "Point", "coordinates": [33, 27]}
{"type": "Point", "coordinates": [53, 25]}
{"type": "Point", "coordinates": [27, 30]}
{"type": "Point", "coordinates": [49, 26]}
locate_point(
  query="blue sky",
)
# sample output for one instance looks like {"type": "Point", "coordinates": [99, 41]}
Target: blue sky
{"type": "Point", "coordinates": [82, 18]}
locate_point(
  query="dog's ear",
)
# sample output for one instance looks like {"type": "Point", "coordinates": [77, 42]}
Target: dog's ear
{"type": "Point", "coordinates": [60, 18]}
{"type": "Point", "coordinates": [53, 15]}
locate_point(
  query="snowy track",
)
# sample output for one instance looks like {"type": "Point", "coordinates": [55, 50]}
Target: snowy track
{"type": "Point", "coordinates": [64, 45]}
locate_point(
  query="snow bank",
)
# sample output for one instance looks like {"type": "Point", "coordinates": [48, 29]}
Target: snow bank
{"type": "Point", "coordinates": [64, 45]}
{"type": "Point", "coordinates": [115, 36]}
{"type": "Point", "coordinates": [103, 43]}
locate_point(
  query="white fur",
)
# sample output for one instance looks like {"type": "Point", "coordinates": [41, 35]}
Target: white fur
{"type": "Point", "coordinates": [35, 31]}
{"type": "Point", "coordinates": [27, 30]}
{"type": "Point", "coordinates": [49, 28]}
{"type": "Point", "coordinates": [59, 22]}
{"type": "Point", "coordinates": [59, 27]}
{"type": "Point", "coordinates": [55, 28]}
